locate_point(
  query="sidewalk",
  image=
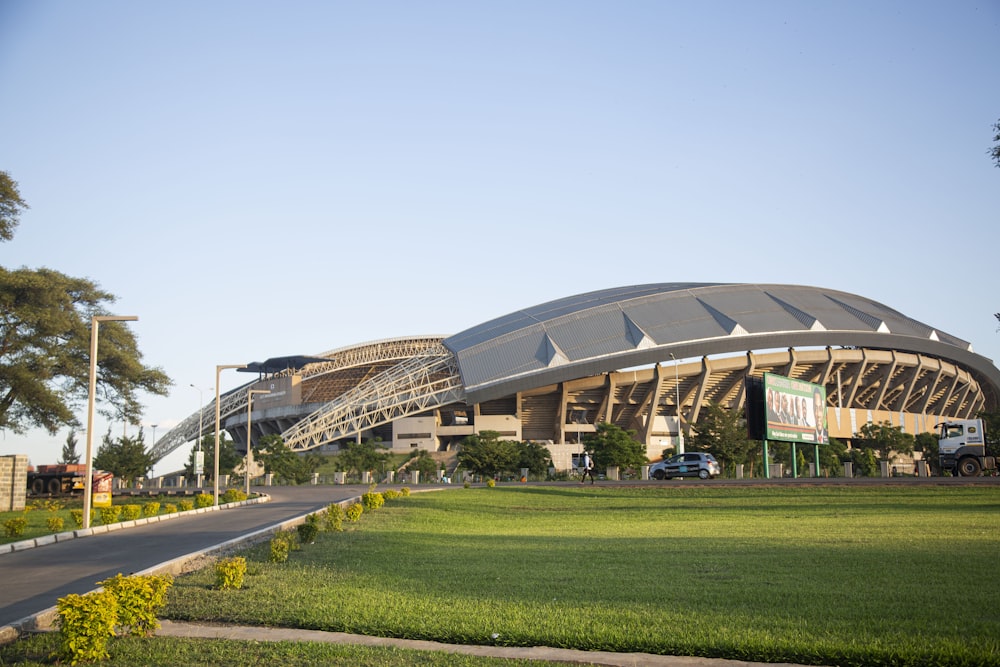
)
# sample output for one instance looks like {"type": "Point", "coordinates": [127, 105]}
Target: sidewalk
{"type": "Point", "coordinates": [269, 634]}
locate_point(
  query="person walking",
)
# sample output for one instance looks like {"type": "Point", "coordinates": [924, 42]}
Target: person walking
{"type": "Point", "coordinates": [587, 464]}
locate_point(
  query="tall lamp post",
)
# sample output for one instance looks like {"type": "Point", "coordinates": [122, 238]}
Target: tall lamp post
{"type": "Point", "coordinates": [199, 459]}
{"type": "Point", "coordinates": [677, 381]}
{"type": "Point", "coordinates": [218, 415]}
{"type": "Point", "coordinates": [249, 460]}
{"type": "Point", "coordinates": [95, 323]}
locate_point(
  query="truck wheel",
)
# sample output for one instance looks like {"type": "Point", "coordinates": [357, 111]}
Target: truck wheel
{"type": "Point", "coordinates": [55, 486]}
{"type": "Point", "coordinates": [38, 486]}
{"type": "Point", "coordinates": [969, 467]}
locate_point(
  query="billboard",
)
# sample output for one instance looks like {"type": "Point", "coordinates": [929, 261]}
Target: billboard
{"type": "Point", "coordinates": [795, 410]}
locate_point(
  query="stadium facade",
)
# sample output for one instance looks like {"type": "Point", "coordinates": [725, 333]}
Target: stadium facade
{"type": "Point", "coordinates": [647, 358]}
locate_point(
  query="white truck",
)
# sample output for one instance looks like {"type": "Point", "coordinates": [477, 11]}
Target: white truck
{"type": "Point", "coordinates": [962, 448]}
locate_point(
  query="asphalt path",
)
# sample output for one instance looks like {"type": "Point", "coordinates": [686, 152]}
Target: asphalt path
{"type": "Point", "coordinates": [32, 580]}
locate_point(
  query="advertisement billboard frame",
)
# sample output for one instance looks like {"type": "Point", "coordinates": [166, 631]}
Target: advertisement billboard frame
{"type": "Point", "coordinates": [795, 411]}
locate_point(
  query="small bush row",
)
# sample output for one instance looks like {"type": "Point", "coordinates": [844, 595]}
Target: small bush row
{"type": "Point", "coordinates": [15, 526]}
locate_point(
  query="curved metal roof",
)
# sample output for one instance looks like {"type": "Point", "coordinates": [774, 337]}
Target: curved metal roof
{"type": "Point", "coordinates": [638, 325]}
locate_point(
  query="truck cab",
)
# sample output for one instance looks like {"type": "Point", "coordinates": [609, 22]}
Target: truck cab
{"type": "Point", "coordinates": [962, 447]}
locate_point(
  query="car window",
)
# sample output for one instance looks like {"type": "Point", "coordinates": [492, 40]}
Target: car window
{"type": "Point", "coordinates": [692, 457]}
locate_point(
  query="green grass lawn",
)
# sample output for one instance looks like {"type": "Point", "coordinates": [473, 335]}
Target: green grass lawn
{"type": "Point", "coordinates": [813, 575]}
{"type": "Point", "coordinates": [830, 575]}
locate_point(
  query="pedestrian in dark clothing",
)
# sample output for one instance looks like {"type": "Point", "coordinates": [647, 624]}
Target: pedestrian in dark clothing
{"type": "Point", "coordinates": [587, 465]}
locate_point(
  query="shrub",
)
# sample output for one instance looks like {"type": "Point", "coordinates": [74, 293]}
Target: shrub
{"type": "Point", "coordinates": [86, 623]}
{"type": "Point", "coordinates": [47, 504]}
{"type": "Point", "coordinates": [466, 485]}
{"type": "Point", "coordinates": [281, 544]}
{"type": "Point", "coordinates": [139, 597]}
{"type": "Point", "coordinates": [77, 516]}
{"type": "Point", "coordinates": [307, 531]}
{"type": "Point", "coordinates": [111, 514]}
{"type": "Point", "coordinates": [55, 524]}
{"type": "Point", "coordinates": [334, 517]}
{"type": "Point", "coordinates": [185, 505]}
{"type": "Point", "coordinates": [131, 512]}
{"type": "Point", "coordinates": [372, 500]}
{"type": "Point", "coordinates": [151, 509]}
{"type": "Point", "coordinates": [229, 573]}
{"type": "Point", "coordinates": [170, 508]}
{"type": "Point", "coordinates": [14, 527]}
{"type": "Point", "coordinates": [204, 500]}
{"type": "Point", "coordinates": [391, 494]}
{"type": "Point", "coordinates": [353, 512]}
{"type": "Point", "coordinates": [490, 483]}
{"type": "Point", "coordinates": [233, 496]}
{"type": "Point", "coordinates": [405, 491]}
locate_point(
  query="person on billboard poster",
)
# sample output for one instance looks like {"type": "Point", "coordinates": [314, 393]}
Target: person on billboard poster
{"type": "Point", "coordinates": [785, 415]}
{"type": "Point", "coordinates": [772, 409]}
{"type": "Point", "coordinates": [819, 411]}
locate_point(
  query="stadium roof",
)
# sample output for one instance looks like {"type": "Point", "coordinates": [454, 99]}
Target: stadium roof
{"type": "Point", "coordinates": [591, 333]}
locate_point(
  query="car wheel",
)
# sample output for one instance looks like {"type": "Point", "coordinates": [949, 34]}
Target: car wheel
{"type": "Point", "coordinates": [658, 474]}
{"type": "Point", "coordinates": [703, 473]}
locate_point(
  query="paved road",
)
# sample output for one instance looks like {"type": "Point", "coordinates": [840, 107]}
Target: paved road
{"type": "Point", "coordinates": [33, 580]}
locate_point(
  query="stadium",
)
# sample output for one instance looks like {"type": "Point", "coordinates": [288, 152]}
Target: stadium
{"type": "Point", "coordinates": [647, 358]}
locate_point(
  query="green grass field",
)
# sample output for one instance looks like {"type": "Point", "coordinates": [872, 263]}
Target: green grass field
{"type": "Point", "coordinates": [815, 575]}
{"type": "Point", "coordinates": [827, 575]}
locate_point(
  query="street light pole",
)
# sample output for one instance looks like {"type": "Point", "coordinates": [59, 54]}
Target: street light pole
{"type": "Point", "coordinates": [95, 323]}
{"type": "Point", "coordinates": [201, 430]}
{"type": "Point", "coordinates": [249, 460]}
{"type": "Point", "coordinates": [218, 415]}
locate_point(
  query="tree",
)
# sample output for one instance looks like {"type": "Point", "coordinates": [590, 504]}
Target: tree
{"type": "Point", "coordinates": [991, 424]}
{"type": "Point", "coordinates": [723, 433]}
{"type": "Point", "coordinates": [486, 454]}
{"type": "Point", "coordinates": [125, 457]}
{"type": "Point", "coordinates": [11, 206]}
{"type": "Point", "coordinates": [45, 321]}
{"type": "Point", "coordinates": [536, 458]}
{"type": "Point", "coordinates": [884, 438]}
{"type": "Point", "coordinates": [928, 444]}
{"type": "Point", "coordinates": [229, 458]}
{"type": "Point", "coordinates": [425, 464]}
{"type": "Point", "coordinates": [45, 353]}
{"type": "Point", "coordinates": [611, 445]}
{"type": "Point", "coordinates": [368, 455]}
{"type": "Point", "coordinates": [995, 151]}
{"type": "Point", "coordinates": [282, 462]}
{"type": "Point", "coordinates": [69, 453]}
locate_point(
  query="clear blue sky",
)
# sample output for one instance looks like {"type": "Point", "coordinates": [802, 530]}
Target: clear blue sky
{"type": "Point", "coordinates": [258, 179]}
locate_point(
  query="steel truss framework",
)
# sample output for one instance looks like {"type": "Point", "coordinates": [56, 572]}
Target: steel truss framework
{"type": "Point", "coordinates": [234, 402]}
{"type": "Point", "coordinates": [414, 386]}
